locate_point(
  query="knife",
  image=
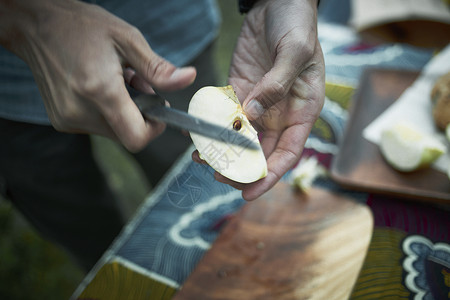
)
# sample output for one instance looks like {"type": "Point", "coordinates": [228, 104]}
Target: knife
{"type": "Point", "coordinates": [153, 107]}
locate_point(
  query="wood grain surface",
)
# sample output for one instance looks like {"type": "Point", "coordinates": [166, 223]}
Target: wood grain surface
{"type": "Point", "coordinates": [286, 245]}
{"type": "Point", "coordinates": [359, 164]}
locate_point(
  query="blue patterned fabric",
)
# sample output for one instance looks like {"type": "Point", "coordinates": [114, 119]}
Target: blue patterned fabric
{"type": "Point", "coordinates": [347, 56]}
{"type": "Point", "coordinates": [173, 234]}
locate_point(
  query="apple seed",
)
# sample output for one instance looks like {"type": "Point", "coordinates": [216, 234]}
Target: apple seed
{"type": "Point", "coordinates": [237, 125]}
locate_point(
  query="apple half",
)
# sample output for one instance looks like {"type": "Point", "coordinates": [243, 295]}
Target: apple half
{"type": "Point", "coordinates": [407, 149]}
{"type": "Point", "coordinates": [220, 106]}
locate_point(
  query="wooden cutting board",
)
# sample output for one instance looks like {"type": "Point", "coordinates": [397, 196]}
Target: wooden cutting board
{"type": "Point", "coordinates": [286, 245]}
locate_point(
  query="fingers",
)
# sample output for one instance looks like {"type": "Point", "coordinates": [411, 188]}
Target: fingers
{"type": "Point", "coordinates": [127, 122]}
{"type": "Point", "coordinates": [137, 82]}
{"type": "Point", "coordinates": [196, 158]}
{"type": "Point", "coordinates": [273, 86]}
{"type": "Point", "coordinates": [284, 151]}
{"type": "Point", "coordinates": [294, 53]}
{"type": "Point", "coordinates": [285, 155]}
{"type": "Point", "coordinates": [151, 67]}
{"type": "Point", "coordinates": [146, 70]}
{"type": "Point", "coordinates": [251, 191]}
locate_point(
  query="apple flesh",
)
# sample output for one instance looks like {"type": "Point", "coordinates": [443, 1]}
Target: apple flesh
{"type": "Point", "coordinates": [407, 149]}
{"type": "Point", "coordinates": [447, 132]}
{"type": "Point", "coordinates": [220, 105]}
{"type": "Point", "coordinates": [305, 172]}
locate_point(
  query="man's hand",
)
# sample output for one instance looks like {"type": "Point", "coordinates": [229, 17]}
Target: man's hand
{"type": "Point", "coordinates": [278, 68]}
{"type": "Point", "coordinates": [81, 56]}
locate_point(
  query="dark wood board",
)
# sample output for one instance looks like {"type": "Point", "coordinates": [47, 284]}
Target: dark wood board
{"type": "Point", "coordinates": [359, 164]}
{"type": "Point", "coordinates": [286, 245]}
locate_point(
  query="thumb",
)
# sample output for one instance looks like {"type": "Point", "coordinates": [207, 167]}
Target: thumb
{"type": "Point", "coordinates": [152, 68]}
{"type": "Point", "coordinates": [275, 84]}
{"type": "Point", "coordinates": [272, 88]}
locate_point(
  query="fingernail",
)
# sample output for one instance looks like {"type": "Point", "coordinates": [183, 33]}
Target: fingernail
{"type": "Point", "coordinates": [254, 109]}
{"type": "Point", "coordinates": [180, 72]}
{"type": "Point", "coordinates": [146, 88]}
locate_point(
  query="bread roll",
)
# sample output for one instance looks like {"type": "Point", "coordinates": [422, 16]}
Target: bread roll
{"type": "Point", "coordinates": [440, 95]}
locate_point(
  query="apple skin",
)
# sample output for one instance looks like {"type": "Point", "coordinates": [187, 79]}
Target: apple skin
{"type": "Point", "coordinates": [220, 106]}
{"type": "Point", "coordinates": [406, 149]}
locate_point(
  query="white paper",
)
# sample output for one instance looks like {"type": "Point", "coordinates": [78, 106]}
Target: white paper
{"type": "Point", "coordinates": [366, 14]}
{"type": "Point", "coordinates": [415, 107]}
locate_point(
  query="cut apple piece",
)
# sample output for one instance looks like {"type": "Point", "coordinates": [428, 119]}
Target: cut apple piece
{"type": "Point", "coordinates": [407, 149]}
{"type": "Point", "coordinates": [220, 106]}
{"type": "Point", "coordinates": [447, 132]}
{"type": "Point", "coordinates": [305, 172]}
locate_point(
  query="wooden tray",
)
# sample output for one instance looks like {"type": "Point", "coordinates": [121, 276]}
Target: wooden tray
{"type": "Point", "coordinates": [286, 245]}
{"type": "Point", "coordinates": [359, 164]}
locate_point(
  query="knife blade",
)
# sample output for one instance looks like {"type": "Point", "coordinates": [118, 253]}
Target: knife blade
{"type": "Point", "coordinates": [153, 107]}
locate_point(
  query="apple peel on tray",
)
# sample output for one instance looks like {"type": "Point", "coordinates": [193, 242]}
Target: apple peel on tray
{"type": "Point", "coordinates": [220, 106]}
{"type": "Point", "coordinates": [407, 149]}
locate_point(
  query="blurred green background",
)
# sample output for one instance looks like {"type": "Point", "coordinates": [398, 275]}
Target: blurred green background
{"type": "Point", "coordinates": [32, 268]}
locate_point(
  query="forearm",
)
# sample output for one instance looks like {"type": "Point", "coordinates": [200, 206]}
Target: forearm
{"type": "Point", "coordinates": [17, 21]}
{"type": "Point", "coordinates": [22, 20]}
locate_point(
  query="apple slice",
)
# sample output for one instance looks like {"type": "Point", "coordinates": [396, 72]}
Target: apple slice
{"type": "Point", "coordinates": [220, 105]}
{"type": "Point", "coordinates": [407, 149]}
{"type": "Point", "coordinates": [447, 132]}
{"type": "Point", "coordinates": [305, 172]}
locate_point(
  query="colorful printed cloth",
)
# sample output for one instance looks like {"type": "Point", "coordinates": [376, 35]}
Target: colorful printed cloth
{"type": "Point", "coordinates": [409, 254]}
